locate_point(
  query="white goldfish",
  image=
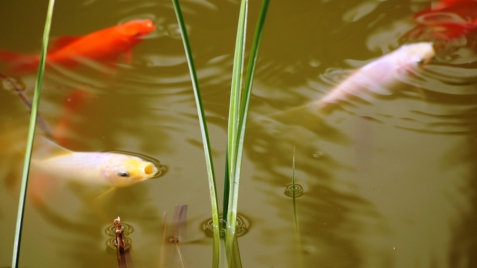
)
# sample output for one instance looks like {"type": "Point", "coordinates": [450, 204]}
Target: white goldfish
{"type": "Point", "coordinates": [382, 74]}
{"type": "Point", "coordinates": [103, 168]}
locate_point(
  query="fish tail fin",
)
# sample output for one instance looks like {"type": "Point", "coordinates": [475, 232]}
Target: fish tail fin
{"type": "Point", "coordinates": [42, 187]}
{"type": "Point", "coordinates": [102, 197]}
{"type": "Point", "coordinates": [18, 63]}
{"type": "Point", "coordinates": [10, 56]}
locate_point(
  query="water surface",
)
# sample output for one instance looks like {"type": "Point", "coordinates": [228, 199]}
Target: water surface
{"type": "Point", "coordinates": [388, 183]}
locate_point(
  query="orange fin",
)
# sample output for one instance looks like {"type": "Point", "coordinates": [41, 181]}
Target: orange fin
{"type": "Point", "coordinates": [61, 42]}
{"type": "Point", "coordinates": [10, 56]}
{"type": "Point", "coordinates": [128, 56]}
{"type": "Point", "coordinates": [18, 63]}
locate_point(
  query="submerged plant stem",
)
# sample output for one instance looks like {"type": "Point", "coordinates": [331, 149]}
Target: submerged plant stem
{"type": "Point", "coordinates": [31, 135]}
{"type": "Point", "coordinates": [205, 135]}
{"type": "Point", "coordinates": [295, 217]}
{"type": "Point", "coordinates": [298, 246]}
{"type": "Point", "coordinates": [41, 122]}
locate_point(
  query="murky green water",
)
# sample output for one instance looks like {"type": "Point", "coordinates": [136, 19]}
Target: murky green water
{"type": "Point", "coordinates": [390, 183]}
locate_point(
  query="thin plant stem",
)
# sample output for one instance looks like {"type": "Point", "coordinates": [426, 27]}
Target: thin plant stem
{"type": "Point", "coordinates": [179, 227]}
{"type": "Point", "coordinates": [295, 217]}
{"type": "Point", "coordinates": [180, 255]}
{"type": "Point", "coordinates": [31, 135]}
{"type": "Point", "coordinates": [41, 122]}
{"type": "Point", "coordinates": [163, 242]}
{"type": "Point", "coordinates": [205, 136]}
{"type": "Point", "coordinates": [295, 214]}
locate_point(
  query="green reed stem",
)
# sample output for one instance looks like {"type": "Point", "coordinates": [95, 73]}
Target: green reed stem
{"type": "Point", "coordinates": [31, 135]}
{"type": "Point", "coordinates": [205, 136]}
{"type": "Point", "coordinates": [252, 63]}
{"type": "Point", "coordinates": [233, 131]}
{"type": "Point", "coordinates": [237, 122]}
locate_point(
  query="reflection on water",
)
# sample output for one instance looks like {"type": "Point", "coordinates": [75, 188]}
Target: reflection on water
{"type": "Point", "coordinates": [294, 190]}
{"type": "Point", "coordinates": [111, 244]}
{"type": "Point", "coordinates": [389, 182]}
{"type": "Point", "coordinates": [243, 224]}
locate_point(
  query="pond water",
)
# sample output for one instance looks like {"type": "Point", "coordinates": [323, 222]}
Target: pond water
{"type": "Point", "coordinates": [387, 182]}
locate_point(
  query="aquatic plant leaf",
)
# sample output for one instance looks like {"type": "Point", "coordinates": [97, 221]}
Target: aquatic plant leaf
{"type": "Point", "coordinates": [237, 124]}
{"type": "Point", "coordinates": [31, 135]}
{"type": "Point", "coordinates": [231, 246]}
{"type": "Point", "coordinates": [204, 133]}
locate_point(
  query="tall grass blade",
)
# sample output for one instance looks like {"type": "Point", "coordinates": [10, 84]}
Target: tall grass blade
{"type": "Point", "coordinates": [239, 121]}
{"type": "Point", "coordinates": [232, 132]}
{"type": "Point", "coordinates": [225, 201]}
{"type": "Point", "coordinates": [205, 136]}
{"type": "Point", "coordinates": [31, 135]}
{"type": "Point", "coordinates": [236, 88]}
{"type": "Point", "coordinates": [252, 63]}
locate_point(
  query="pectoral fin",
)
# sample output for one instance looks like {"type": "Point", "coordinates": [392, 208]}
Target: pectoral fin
{"type": "Point", "coordinates": [102, 196]}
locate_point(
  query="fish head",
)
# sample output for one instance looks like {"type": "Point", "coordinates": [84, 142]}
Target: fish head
{"type": "Point", "coordinates": [125, 170]}
{"type": "Point", "coordinates": [137, 28]}
{"type": "Point", "coordinates": [409, 59]}
{"type": "Point", "coordinates": [418, 54]}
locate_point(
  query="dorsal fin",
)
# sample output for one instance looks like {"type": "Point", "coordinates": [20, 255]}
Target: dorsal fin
{"type": "Point", "coordinates": [45, 148]}
{"type": "Point", "coordinates": [61, 42]}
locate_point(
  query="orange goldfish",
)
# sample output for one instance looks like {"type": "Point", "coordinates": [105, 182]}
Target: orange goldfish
{"type": "Point", "coordinates": [103, 45]}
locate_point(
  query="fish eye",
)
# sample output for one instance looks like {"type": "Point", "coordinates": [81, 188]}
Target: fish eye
{"type": "Point", "coordinates": [123, 173]}
{"type": "Point", "coordinates": [421, 61]}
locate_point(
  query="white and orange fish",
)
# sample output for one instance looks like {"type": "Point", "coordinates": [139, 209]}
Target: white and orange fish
{"type": "Point", "coordinates": [381, 75]}
{"type": "Point", "coordinates": [99, 168]}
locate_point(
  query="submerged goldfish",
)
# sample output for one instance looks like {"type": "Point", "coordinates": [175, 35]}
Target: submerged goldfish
{"type": "Point", "coordinates": [103, 168]}
{"type": "Point", "coordinates": [381, 75]}
{"type": "Point", "coordinates": [102, 45]}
